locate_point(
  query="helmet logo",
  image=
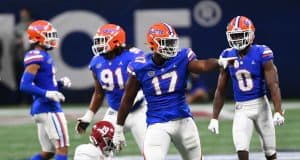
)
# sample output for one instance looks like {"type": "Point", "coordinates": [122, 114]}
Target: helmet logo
{"type": "Point", "coordinates": [104, 130]}
{"type": "Point", "coordinates": [110, 30]}
{"type": "Point", "coordinates": [156, 31]}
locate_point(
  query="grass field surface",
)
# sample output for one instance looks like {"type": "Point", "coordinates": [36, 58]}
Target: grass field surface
{"type": "Point", "coordinates": [19, 141]}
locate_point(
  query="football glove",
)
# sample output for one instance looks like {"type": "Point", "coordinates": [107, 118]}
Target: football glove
{"type": "Point", "coordinates": [223, 62]}
{"type": "Point", "coordinates": [55, 96]}
{"type": "Point", "coordinates": [84, 122]}
{"type": "Point", "coordinates": [278, 119]}
{"type": "Point", "coordinates": [119, 138]}
{"type": "Point", "coordinates": [66, 82]}
{"type": "Point", "coordinates": [214, 126]}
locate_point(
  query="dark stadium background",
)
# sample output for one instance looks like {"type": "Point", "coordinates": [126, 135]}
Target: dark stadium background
{"type": "Point", "coordinates": [277, 25]}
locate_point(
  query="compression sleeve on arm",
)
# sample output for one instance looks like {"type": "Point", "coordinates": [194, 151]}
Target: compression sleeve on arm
{"type": "Point", "coordinates": [26, 85]}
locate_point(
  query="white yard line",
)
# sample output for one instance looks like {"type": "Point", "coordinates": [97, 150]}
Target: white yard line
{"type": "Point", "coordinates": [253, 156]}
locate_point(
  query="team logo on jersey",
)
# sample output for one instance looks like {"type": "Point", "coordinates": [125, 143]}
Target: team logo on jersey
{"type": "Point", "coordinates": [99, 65]}
{"type": "Point", "coordinates": [253, 62]}
{"type": "Point", "coordinates": [121, 63]}
{"type": "Point", "coordinates": [236, 64]}
{"type": "Point", "coordinates": [151, 73]}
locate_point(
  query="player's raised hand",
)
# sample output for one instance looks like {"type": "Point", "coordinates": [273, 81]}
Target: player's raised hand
{"type": "Point", "coordinates": [214, 126]}
{"type": "Point", "coordinates": [55, 96]}
{"type": "Point", "coordinates": [278, 119]}
{"type": "Point", "coordinates": [66, 82]}
{"type": "Point", "coordinates": [84, 121]}
{"type": "Point", "coordinates": [225, 61]}
{"type": "Point", "coordinates": [119, 138]}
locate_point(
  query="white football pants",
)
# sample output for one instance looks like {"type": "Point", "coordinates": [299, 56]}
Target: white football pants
{"type": "Point", "coordinates": [52, 130]}
{"type": "Point", "coordinates": [254, 113]}
{"type": "Point", "coordinates": [135, 122]}
{"type": "Point", "coordinates": [182, 132]}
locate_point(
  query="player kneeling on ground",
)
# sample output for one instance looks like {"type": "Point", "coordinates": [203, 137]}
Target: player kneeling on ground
{"type": "Point", "coordinates": [101, 146]}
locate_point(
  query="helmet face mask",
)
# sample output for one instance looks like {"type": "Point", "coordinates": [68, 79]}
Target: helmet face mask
{"type": "Point", "coordinates": [167, 47]}
{"type": "Point", "coordinates": [107, 38]}
{"type": "Point", "coordinates": [100, 44]}
{"type": "Point", "coordinates": [240, 32]}
{"type": "Point", "coordinates": [109, 148]}
{"type": "Point", "coordinates": [239, 40]}
{"type": "Point", "coordinates": [51, 39]}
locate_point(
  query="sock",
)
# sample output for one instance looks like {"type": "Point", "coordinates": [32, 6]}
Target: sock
{"type": "Point", "coordinates": [61, 157]}
{"type": "Point", "coordinates": [37, 156]}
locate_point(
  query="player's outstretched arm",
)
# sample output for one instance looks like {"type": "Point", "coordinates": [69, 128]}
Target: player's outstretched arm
{"type": "Point", "coordinates": [272, 81]}
{"type": "Point", "coordinates": [95, 103]}
{"type": "Point", "coordinates": [199, 66]}
{"type": "Point", "coordinates": [26, 85]}
{"type": "Point", "coordinates": [218, 101]}
{"type": "Point", "coordinates": [129, 95]}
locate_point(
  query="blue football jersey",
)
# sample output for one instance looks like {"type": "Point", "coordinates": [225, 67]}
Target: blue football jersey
{"type": "Point", "coordinates": [45, 79]}
{"type": "Point", "coordinates": [247, 73]}
{"type": "Point", "coordinates": [112, 74]}
{"type": "Point", "coordinates": [164, 86]}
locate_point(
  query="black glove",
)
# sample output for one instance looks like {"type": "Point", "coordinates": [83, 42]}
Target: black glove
{"type": "Point", "coordinates": [81, 126]}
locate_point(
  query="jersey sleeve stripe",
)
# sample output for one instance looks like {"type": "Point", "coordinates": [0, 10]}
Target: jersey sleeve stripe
{"type": "Point", "coordinates": [190, 54]}
{"type": "Point", "coordinates": [130, 70]}
{"type": "Point", "coordinates": [33, 58]}
{"type": "Point", "coordinates": [267, 53]}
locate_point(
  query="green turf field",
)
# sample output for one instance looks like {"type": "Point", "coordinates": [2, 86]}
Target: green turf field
{"type": "Point", "coordinates": [20, 141]}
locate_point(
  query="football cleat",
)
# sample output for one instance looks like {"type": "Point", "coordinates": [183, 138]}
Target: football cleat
{"type": "Point", "coordinates": [163, 39]}
{"type": "Point", "coordinates": [240, 32]}
{"type": "Point", "coordinates": [107, 38]}
{"type": "Point", "coordinates": [43, 33]}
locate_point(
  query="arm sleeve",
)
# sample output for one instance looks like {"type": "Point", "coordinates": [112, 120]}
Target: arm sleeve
{"type": "Point", "coordinates": [191, 54]}
{"type": "Point", "coordinates": [267, 54]}
{"type": "Point", "coordinates": [27, 86]}
{"type": "Point", "coordinates": [130, 69]}
{"type": "Point", "coordinates": [33, 59]}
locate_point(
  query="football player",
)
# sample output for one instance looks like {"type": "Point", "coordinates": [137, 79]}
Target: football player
{"type": "Point", "coordinates": [162, 75]}
{"type": "Point", "coordinates": [251, 73]}
{"type": "Point", "coordinates": [101, 146]}
{"type": "Point", "coordinates": [109, 71]}
{"type": "Point", "coordinates": [39, 80]}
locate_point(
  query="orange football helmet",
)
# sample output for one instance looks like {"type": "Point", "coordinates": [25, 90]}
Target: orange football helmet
{"type": "Point", "coordinates": [108, 37]}
{"type": "Point", "coordinates": [162, 39]}
{"type": "Point", "coordinates": [240, 32]}
{"type": "Point", "coordinates": [43, 33]}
